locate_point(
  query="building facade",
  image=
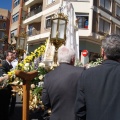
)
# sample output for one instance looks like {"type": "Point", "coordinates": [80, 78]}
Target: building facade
{"type": "Point", "coordinates": [95, 18]}
{"type": "Point", "coordinates": [4, 29]}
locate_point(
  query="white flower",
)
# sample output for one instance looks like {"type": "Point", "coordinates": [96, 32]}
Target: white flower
{"type": "Point", "coordinates": [27, 64]}
{"type": "Point", "coordinates": [32, 86]}
{"type": "Point", "coordinates": [21, 83]}
{"type": "Point", "coordinates": [26, 67]}
{"type": "Point", "coordinates": [40, 84]}
{"type": "Point", "coordinates": [41, 77]}
{"type": "Point", "coordinates": [41, 65]}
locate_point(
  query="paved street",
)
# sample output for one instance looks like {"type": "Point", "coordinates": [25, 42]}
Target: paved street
{"type": "Point", "coordinates": [18, 112]}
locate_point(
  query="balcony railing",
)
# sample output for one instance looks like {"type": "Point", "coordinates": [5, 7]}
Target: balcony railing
{"type": "Point", "coordinates": [33, 12]}
{"type": "Point", "coordinates": [33, 32]}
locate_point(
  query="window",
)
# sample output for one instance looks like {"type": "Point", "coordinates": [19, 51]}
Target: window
{"type": "Point", "coordinates": [48, 22]}
{"type": "Point", "coordinates": [118, 11]}
{"type": "Point", "coordinates": [118, 30]}
{"type": "Point", "coordinates": [16, 3]}
{"type": "Point", "coordinates": [104, 26]}
{"type": "Point", "coordinates": [82, 20]}
{"type": "Point", "coordinates": [30, 30]}
{"type": "Point", "coordinates": [1, 17]}
{"type": "Point", "coordinates": [1, 34]}
{"type": "Point", "coordinates": [15, 17]}
{"type": "Point", "coordinates": [50, 1]}
{"type": "Point", "coordinates": [106, 4]}
{"type": "Point", "coordinates": [4, 25]}
{"type": "Point", "coordinates": [14, 32]}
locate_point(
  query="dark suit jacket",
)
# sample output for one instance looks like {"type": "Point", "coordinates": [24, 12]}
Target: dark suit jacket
{"type": "Point", "coordinates": [5, 93]}
{"type": "Point", "coordinates": [59, 93]}
{"type": "Point", "coordinates": [5, 67]}
{"type": "Point", "coordinates": [98, 94]}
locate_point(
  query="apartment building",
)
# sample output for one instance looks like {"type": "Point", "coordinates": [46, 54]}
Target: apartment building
{"type": "Point", "coordinates": [4, 28]}
{"type": "Point", "coordinates": [17, 13]}
{"type": "Point", "coordinates": [95, 19]}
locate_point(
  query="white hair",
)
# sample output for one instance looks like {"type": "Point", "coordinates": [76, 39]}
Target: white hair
{"type": "Point", "coordinates": [65, 54]}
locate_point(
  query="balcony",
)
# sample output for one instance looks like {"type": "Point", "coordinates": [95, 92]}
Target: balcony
{"type": "Point", "coordinates": [38, 37]}
{"type": "Point", "coordinates": [33, 12]}
{"type": "Point", "coordinates": [33, 32]}
{"type": "Point", "coordinates": [33, 15]}
{"type": "Point", "coordinates": [29, 3]}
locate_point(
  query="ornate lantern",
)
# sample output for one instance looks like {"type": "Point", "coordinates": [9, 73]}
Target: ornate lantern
{"type": "Point", "coordinates": [58, 32]}
{"type": "Point", "coordinates": [21, 44]}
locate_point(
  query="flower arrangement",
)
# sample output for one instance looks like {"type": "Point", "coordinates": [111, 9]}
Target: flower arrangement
{"type": "Point", "coordinates": [90, 64]}
{"type": "Point", "coordinates": [28, 65]}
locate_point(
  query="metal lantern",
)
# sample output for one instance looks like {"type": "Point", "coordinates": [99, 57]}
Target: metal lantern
{"type": "Point", "coordinates": [58, 32]}
{"type": "Point", "coordinates": [58, 29]}
{"type": "Point", "coordinates": [21, 42]}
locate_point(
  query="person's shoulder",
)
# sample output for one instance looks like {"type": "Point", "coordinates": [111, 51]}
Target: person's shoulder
{"type": "Point", "coordinates": [77, 67]}
{"type": "Point", "coordinates": [93, 69]}
{"type": "Point", "coordinates": [4, 61]}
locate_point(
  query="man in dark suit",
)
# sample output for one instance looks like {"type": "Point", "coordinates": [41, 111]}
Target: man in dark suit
{"type": "Point", "coordinates": [60, 86]}
{"type": "Point", "coordinates": [6, 64]}
{"type": "Point", "coordinates": [5, 93]}
{"type": "Point", "coordinates": [98, 93]}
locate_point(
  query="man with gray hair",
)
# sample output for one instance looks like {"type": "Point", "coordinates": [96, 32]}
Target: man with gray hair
{"type": "Point", "coordinates": [60, 86]}
{"type": "Point", "coordinates": [98, 93]}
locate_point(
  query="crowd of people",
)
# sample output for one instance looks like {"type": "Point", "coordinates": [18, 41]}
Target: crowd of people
{"type": "Point", "coordinates": [77, 93]}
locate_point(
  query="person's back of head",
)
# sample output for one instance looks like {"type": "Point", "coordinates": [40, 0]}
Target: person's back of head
{"type": "Point", "coordinates": [66, 55]}
{"type": "Point", "coordinates": [111, 47]}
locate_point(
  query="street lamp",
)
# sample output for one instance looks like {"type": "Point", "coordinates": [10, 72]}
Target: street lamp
{"type": "Point", "coordinates": [58, 32]}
